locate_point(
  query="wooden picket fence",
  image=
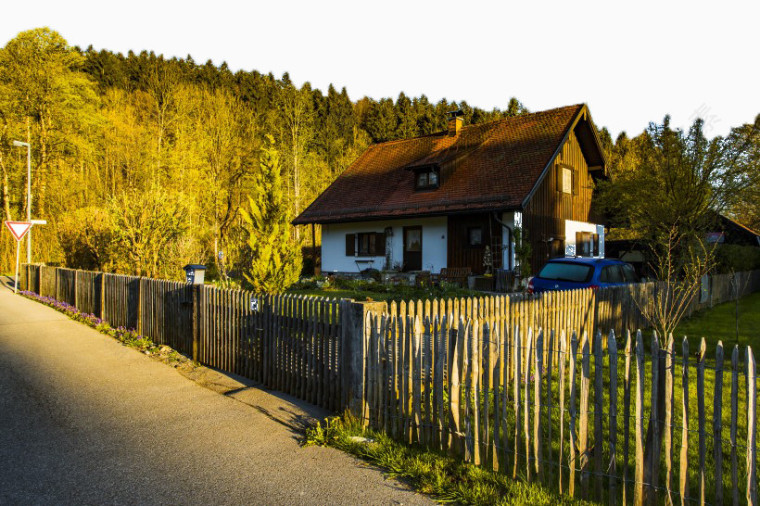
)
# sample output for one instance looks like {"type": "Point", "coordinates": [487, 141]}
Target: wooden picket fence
{"type": "Point", "coordinates": [459, 375]}
{"type": "Point", "coordinates": [527, 404]}
{"type": "Point", "coordinates": [286, 342]}
{"type": "Point", "coordinates": [585, 310]}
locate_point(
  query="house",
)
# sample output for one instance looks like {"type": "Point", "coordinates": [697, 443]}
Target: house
{"type": "Point", "coordinates": [442, 200]}
{"type": "Point", "coordinates": [722, 230]}
{"type": "Point", "coordinates": [728, 231]}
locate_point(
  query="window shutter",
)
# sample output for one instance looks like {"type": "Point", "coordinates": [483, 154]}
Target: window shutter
{"type": "Point", "coordinates": [380, 244]}
{"type": "Point", "coordinates": [350, 245]}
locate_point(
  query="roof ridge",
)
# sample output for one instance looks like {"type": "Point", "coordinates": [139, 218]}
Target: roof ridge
{"type": "Point", "coordinates": [519, 117]}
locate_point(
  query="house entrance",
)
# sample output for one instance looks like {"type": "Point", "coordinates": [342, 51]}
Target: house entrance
{"type": "Point", "coordinates": [412, 249]}
{"type": "Point", "coordinates": [468, 236]}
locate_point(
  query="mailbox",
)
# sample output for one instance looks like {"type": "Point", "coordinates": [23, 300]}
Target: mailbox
{"type": "Point", "coordinates": [194, 273]}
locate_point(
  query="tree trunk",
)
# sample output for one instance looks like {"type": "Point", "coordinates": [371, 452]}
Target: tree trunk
{"type": "Point", "coordinates": [6, 191]}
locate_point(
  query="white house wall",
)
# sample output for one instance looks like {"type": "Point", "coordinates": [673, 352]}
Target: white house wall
{"type": "Point", "coordinates": [434, 244]}
{"type": "Point", "coordinates": [511, 219]}
{"type": "Point", "coordinates": [572, 227]}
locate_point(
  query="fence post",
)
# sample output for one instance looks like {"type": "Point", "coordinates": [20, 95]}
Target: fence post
{"type": "Point", "coordinates": [196, 319]}
{"type": "Point", "coordinates": [751, 428]}
{"type": "Point", "coordinates": [76, 288]}
{"type": "Point", "coordinates": [103, 296]}
{"type": "Point", "coordinates": [139, 325]}
{"type": "Point", "coordinates": [353, 338]}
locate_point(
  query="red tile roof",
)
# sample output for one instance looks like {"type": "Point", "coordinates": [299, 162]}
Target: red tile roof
{"type": "Point", "coordinates": [489, 166]}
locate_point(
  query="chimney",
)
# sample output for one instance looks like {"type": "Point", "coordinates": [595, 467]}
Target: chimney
{"type": "Point", "coordinates": [455, 122]}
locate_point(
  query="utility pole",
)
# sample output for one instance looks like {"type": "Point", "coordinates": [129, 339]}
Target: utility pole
{"type": "Point", "coordinates": [28, 195]}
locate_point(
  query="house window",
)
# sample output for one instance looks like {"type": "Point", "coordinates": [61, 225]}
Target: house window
{"type": "Point", "coordinates": [557, 248]}
{"type": "Point", "coordinates": [475, 237]}
{"type": "Point", "coordinates": [369, 244]}
{"type": "Point", "coordinates": [584, 244]}
{"type": "Point", "coordinates": [426, 179]}
{"type": "Point", "coordinates": [566, 180]}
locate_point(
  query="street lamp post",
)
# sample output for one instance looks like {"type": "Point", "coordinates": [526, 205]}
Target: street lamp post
{"type": "Point", "coordinates": [28, 195]}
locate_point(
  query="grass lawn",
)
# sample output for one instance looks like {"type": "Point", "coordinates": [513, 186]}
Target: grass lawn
{"type": "Point", "coordinates": [364, 291]}
{"type": "Point", "coordinates": [719, 323]}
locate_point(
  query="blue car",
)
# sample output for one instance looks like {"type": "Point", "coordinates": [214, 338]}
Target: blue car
{"type": "Point", "coordinates": [572, 273]}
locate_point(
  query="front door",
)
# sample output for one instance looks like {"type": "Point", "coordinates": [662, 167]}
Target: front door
{"type": "Point", "coordinates": [412, 248]}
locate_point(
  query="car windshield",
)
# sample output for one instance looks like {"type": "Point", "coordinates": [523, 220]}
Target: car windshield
{"type": "Point", "coordinates": [565, 271]}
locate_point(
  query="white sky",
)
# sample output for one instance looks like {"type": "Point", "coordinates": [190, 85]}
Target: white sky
{"type": "Point", "coordinates": [632, 62]}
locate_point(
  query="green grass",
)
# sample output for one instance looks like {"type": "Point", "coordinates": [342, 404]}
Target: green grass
{"type": "Point", "coordinates": [719, 323]}
{"type": "Point", "coordinates": [362, 290]}
{"type": "Point", "coordinates": [445, 478]}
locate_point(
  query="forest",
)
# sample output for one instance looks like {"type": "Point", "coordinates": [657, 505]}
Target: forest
{"type": "Point", "coordinates": [141, 164]}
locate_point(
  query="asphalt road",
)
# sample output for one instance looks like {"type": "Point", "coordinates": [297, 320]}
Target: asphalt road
{"type": "Point", "coordinates": [85, 420]}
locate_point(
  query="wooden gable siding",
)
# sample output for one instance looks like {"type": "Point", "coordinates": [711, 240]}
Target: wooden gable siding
{"type": "Point", "coordinates": [460, 253]}
{"type": "Point", "coordinates": [544, 216]}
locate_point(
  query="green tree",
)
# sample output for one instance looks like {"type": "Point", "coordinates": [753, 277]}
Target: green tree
{"type": "Point", "coordinates": [667, 184]}
{"type": "Point", "coordinates": [44, 91]}
{"type": "Point", "coordinates": [381, 120]}
{"type": "Point", "coordinates": [666, 187]}
{"type": "Point", "coordinates": [147, 226]}
{"type": "Point", "coordinates": [275, 258]}
{"type": "Point", "coordinates": [298, 117]}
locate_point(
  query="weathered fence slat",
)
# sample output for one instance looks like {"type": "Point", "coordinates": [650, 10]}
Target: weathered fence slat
{"type": "Point", "coordinates": [454, 389]}
{"type": "Point", "coordinates": [638, 495]}
{"type": "Point", "coordinates": [496, 337]}
{"type": "Point", "coordinates": [417, 379]}
{"type": "Point", "coordinates": [538, 375]}
{"type": "Point", "coordinates": [718, 423]}
{"type": "Point", "coordinates": [517, 357]}
{"type": "Point", "coordinates": [626, 413]}
{"type": "Point", "coordinates": [573, 439]}
{"type": "Point", "coordinates": [653, 475]}
{"type": "Point", "coordinates": [485, 439]}
{"type": "Point", "coordinates": [684, 457]}
{"type": "Point", "coordinates": [583, 445]}
{"type": "Point", "coordinates": [475, 374]}
{"type": "Point", "coordinates": [427, 382]}
{"type": "Point", "coordinates": [526, 403]}
{"type": "Point", "coordinates": [668, 427]}
{"type": "Point", "coordinates": [701, 418]}
{"type": "Point", "coordinates": [612, 353]}
{"type": "Point", "coordinates": [551, 350]}
{"type": "Point", "coordinates": [598, 412]}
{"type": "Point", "coordinates": [734, 420]}
{"type": "Point", "coordinates": [751, 428]}
{"type": "Point", "coordinates": [562, 360]}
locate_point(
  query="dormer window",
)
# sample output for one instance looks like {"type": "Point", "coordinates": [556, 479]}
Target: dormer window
{"type": "Point", "coordinates": [426, 179]}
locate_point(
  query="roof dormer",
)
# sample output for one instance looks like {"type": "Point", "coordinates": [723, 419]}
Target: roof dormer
{"type": "Point", "coordinates": [427, 178]}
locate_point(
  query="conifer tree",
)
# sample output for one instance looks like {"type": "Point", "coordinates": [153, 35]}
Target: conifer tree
{"type": "Point", "coordinates": [275, 257]}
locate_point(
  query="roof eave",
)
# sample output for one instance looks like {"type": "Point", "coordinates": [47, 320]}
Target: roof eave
{"type": "Point", "coordinates": [578, 116]}
{"type": "Point", "coordinates": [321, 220]}
{"type": "Point", "coordinates": [556, 153]}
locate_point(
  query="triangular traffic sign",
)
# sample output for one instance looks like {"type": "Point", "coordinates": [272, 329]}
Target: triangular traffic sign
{"type": "Point", "coordinates": [18, 228]}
